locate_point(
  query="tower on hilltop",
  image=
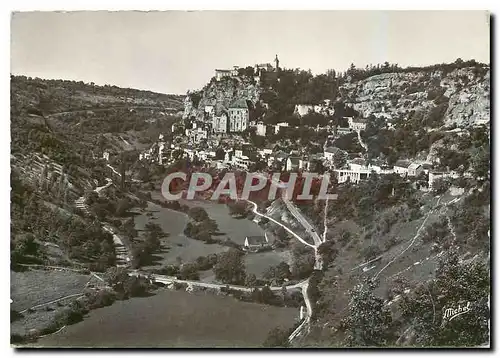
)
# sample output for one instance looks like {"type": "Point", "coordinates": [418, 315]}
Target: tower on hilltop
{"type": "Point", "coordinates": [277, 63]}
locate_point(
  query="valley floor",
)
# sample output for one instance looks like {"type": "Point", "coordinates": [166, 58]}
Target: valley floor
{"type": "Point", "coordinates": [175, 319]}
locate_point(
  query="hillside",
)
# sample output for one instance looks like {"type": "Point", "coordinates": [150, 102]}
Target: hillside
{"type": "Point", "coordinates": [60, 130]}
{"type": "Point", "coordinates": [462, 95]}
{"type": "Point", "coordinates": [222, 93]}
{"type": "Point", "coordinates": [391, 254]}
{"type": "Point", "coordinates": [443, 94]}
{"type": "Point", "coordinates": [399, 253]}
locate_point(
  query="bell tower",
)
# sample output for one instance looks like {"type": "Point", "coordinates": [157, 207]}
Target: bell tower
{"type": "Point", "coordinates": [276, 63]}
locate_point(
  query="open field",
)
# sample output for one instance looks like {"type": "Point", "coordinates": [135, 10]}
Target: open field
{"type": "Point", "coordinates": [188, 249]}
{"type": "Point", "coordinates": [174, 319]}
{"type": "Point", "coordinates": [235, 229]}
{"type": "Point", "coordinates": [34, 287]}
{"type": "Point", "coordinates": [176, 244]}
{"type": "Point", "coordinates": [258, 263]}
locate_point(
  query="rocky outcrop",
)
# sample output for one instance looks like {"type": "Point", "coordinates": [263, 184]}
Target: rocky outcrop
{"type": "Point", "coordinates": [221, 94]}
{"type": "Point", "coordinates": [462, 95]}
{"type": "Point", "coordinates": [469, 102]}
{"type": "Point", "coordinates": [396, 95]}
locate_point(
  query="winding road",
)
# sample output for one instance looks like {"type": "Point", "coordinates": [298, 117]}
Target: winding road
{"type": "Point", "coordinates": [101, 109]}
{"type": "Point", "coordinates": [303, 284]}
{"type": "Point", "coordinates": [169, 280]}
{"type": "Point", "coordinates": [121, 252]}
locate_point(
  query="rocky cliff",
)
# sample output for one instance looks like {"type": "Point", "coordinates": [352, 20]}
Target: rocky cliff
{"type": "Point", "coordinates": [463, 92]}
{"type": "Point", "coordinates": [440, 95]}
{"type": "Point", "coordinates": [220, 93]}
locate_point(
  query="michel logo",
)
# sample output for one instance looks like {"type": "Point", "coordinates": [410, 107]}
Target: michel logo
{"type": "Point", "coordinates": [452, 313]}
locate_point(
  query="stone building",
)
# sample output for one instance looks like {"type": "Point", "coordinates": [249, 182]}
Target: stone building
{"type": "Point", "coordinates": [220, 120]}
{"type": "Point", "coordinates": [238, 116]}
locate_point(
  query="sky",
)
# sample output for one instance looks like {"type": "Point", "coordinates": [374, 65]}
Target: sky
{"type": "Point", "coordinates": [176, 51]}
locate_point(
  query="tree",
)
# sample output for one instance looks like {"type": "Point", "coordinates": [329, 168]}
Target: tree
{"type": "Point", "coordinates": [277, 337]}
{"type": "Point", "coordinates": [302, 261]}
{"type": "Point", "coordinates": [154, 233]}
{"type": "Point", "coordinates": [115, 275]}
{"type": "Point", "coordinates": [189, 272]}
{"type": "Point", "coordinates": [251, 280]}
{"type": "Point", "coordinates": [440, 186]}
{"type": "Point", "coordinates": [278, 273]}
{"type": "Point", "coordinates": [45, 104]}
{"type": "Point", "coordinates": [230, 267]}
{"type": "Point", "coordinates": [25, 244]}
{"type": "Point", "coordinates": [455, 284]}
{"type": "Point", "coordinates": [369, 322]}
{"type": "Point", "coordinates": [481, 163]}
{"type": "Point", "coordinates": [122, 207]}
{"type": "Point", "coordinates": [129, 228]}
{"type": "Point", "coordinates": [339, 159]}
{"type": "Point", "coordinates": [198, 214]}
{"type": "Point", "coordinates": [328, 252]}
{"type": "Point", "coordinates": [238, 209]}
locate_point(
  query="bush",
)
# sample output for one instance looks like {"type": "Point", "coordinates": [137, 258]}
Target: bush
{"type": "Point", "coordinates": [100, 298]}
{"type": "Point", "coordinates": [68, 316]}
{"type": "Point", "coordinates": [180, 286]}
{"type": "Point", "coordinates": [15, 315]}
{"type": "Point", "coordinates": [371, 252]}
{"type": "Point", "coordinates": [198, 214]}
{"type": "Point", "coordinates": [277, 337]}
{"type": "Point", "coordinates": [17, 338]}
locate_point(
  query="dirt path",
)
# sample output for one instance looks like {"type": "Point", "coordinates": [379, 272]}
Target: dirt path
{"type": "Point", "coordinates": [53, 301]}
{"type": "Point", "coordinates": [417, 234]}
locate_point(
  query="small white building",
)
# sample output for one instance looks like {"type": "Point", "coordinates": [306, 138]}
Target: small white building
{"type": "Point", "coordinates": [434, 175]}
{"type": "Point", "coordinates": [357, 124]}
{"type": "Point", "coordinates": [198, 135]}
{"type": "Point", "coordinates": [256, 242]}
{"type": "Point", "coordinates": [278, 127]}
{"type": "Point", "coordinates": [265, 151]}
{"type": "Point", "coordinates": [189, 153]}
{"type": "Point", "coordinates": [219, 123]}
{"type": "Point", "coordinates": [414, 169]}
{"type": "Point", "coordinates": [220, 74]}
{"type": "Point", "coordinates": [302, 109]}
{"type": "Point", "coordinates": [261, 129]}
{"type": "Point", "coordinates": [242, 162]}
{"type": "Point", "coordinates": [305, 164]}
{"type": "Point", "coordinates": [330, 152]}
{"type": "Point", "coordinates": [238, 114]}
{"type": "Point", "coordinates": [209, 109]}
{"type": "Point", "coordinates": [401, 167]}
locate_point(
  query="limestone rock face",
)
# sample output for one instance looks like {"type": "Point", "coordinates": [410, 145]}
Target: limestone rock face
{"type": "Point", "coordinates": [471, 104]}
{"type": "Point", "coordinates": [221, 94]}
{"type": "Point", "coordinates": [396, 95]}
{"type": "Point", "coordinates": [393, 96]}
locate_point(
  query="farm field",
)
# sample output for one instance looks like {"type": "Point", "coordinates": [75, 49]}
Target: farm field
{"type": "Point", "coordinates": [188, 249]}
{"type": "Point", "coordinates": [175, 319]}
{"type": "Point", "coordinates": [33, 287]}
{"type": "Point", "coordinates": [258, 263]}
{"type": "Point", "coordinates": [36, 287]}
{"type": "Point", "coordinates": [235, 229]}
